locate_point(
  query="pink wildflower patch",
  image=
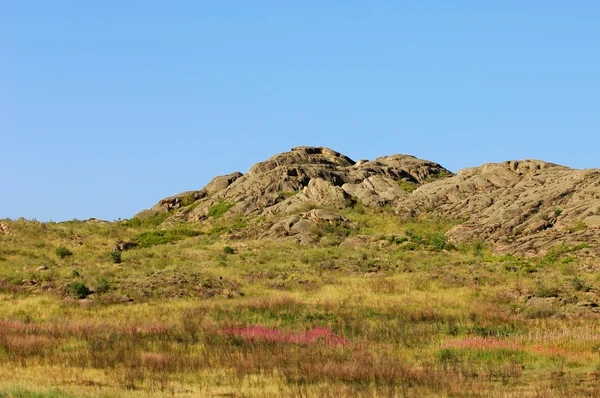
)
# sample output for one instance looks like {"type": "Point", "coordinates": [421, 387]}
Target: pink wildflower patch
{"type": "Point", "coordinates": [319, 335]}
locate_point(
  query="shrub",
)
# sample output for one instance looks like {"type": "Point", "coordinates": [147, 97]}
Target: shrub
{"type": "Point", "coordinates": [579, 285]}
{"type": "Point", "coordinates": [78, 290]}
{"type": "Point", "coordinates": [407, 186]}
{"type": "Point", "coordinates": [63, 252]}
{"type": "Point", "coordinates": [557, 212]}
{"type": "Point", "coordinates": [579, 225]}
{"type": "Point", "coordinates": [116, 257]}
{"type": "Point", "coordinates": [330, 229]}
{"type": "Point", "coordinates": [102, 285]}
{"type": "Point", "coordinates": [432, 239]}
{"type": "Point", "coordinates": [228, 250]}
{"type": "Point", "coordinates": [539, 311]}
{"type": "Point", "coordinates": [441, 175]}
{"type": "Point", "coordinates": [545, 291]}
{"type": "Point", "coordinates": [439, 242]}
{"type": "Point", "coordinates": [188, 200]}
{"type": "Point", "coordinates": [478, 248]}
{"type": "Point", "coordinates": [350, 201]}
{"type": "Point", "coordinates": [219, 209]}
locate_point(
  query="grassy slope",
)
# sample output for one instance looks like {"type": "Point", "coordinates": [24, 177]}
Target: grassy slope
{"type": "Point", "coordinates": [408, 315]}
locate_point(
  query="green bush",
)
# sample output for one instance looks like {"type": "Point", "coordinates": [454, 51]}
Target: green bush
{"type": "Point", "coordinates": [188, 200]}
{"type": "Point", "coordinates": [407, 186]}
{"type": "Point", "coordinates": [435, 240]}
{"type": "Point", "coordinates": [440, 176]}
{"type": "Point", "coordinates": [63, 252]}
{"type": "Point", "coordinates": [439, 241]}
{"type": "Point", "coordinates": [323, 229]}
{"type": "Point", "coordinates": [219, 209]}
{"type": "Point", "coordinates": [557, 212]}
{"type": "Point", "coordinates": [228, 250]}
{"type": "Point", "coordinates": [102, 286]}
{"type": "Point", "coordinates": [116, 257]}
{"type": "Point", "coordinates": [350, 201]}
{"type": "Point", "coordinates": [579, 285]}
{"type": "Point", "coordinates": [78, 290]}
{"type": "Point", "coordinates": [237, 223]}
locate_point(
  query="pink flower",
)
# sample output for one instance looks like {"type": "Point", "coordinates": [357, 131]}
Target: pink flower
{"type": "Point", "coordinates": [319, 335]}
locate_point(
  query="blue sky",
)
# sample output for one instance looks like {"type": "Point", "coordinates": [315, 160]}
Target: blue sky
{"type": "Point", "coordinates": [107, 107]}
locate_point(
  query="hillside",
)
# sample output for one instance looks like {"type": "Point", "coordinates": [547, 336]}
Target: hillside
{"type": "Point", "coordinates": [314, 275]}
{"type": "Point", "coordinates": [518, 207]}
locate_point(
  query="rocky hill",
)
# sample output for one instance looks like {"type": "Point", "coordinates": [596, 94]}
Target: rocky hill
{"type": "Point", "coordinates": [518, 207]}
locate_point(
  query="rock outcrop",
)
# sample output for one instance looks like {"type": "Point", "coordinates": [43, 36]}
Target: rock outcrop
{"type": "Point", "coordinates": [521, 207]}
{"type": "Point", "coordinates": [285, 183]}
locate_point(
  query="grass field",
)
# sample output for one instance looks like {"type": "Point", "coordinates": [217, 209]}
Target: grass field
{"type": "Point", "coordinates": [188, 313]}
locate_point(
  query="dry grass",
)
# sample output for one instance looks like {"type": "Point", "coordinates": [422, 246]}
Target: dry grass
{"type": "Point", "coordinates": [392, 318]}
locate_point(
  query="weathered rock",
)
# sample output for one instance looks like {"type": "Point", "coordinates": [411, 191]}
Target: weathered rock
{"type": "Point", "coordinates": [189, 198]}
{"type": "Point", "coordinates": [300, 227]}
{"type": "Point", "coordinates": [287, 182]}
{"type": "Point", "coordinates": [318, 191]}
{"type": "Point", "coordinates": [4, 229]}
{"type": "Point", "coordinates": [519, 207]}
{"type": "Point", "coordinates": [354, 242]}
{"type": "Point", "coordinates": [322, 215]}
{"type": "Point", "coordinates": [375, 191]}
{"type": "Point", "coordinates": [124, 245]}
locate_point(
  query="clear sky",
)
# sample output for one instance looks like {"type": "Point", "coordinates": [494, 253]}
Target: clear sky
{"type": "Point", "coordinates": [108, 106]}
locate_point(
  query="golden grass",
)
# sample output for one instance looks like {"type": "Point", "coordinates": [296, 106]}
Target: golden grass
{"type": "Point", "coordinates": [415, 318]}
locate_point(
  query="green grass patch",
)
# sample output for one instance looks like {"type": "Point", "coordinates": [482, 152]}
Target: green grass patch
{"type": "Point", "coordinates": [23, 393]}
{"type": "Point", "coordinates": [227, 226]}
{"type": "Point", "coordinates": [430, 232]}
{"type": "Point", "coordinates": [63, 252]}
{"type": "Point", "coordinates": [289, 194]}
{"type": "Point", "coordinates": [219, 209]}
{"type": "Point", "coordinates": [440, 176]}
{"type": "Point", "coordinates": [558, 253]}
{"type": "Point", "coordinates": [407, 186]}
{"type": "Point", "coordinates": [153, 238]}
{"type": "Point", "coordinates": [577, 226]}
{"type": "Point", "coordinates": [146, 222]}
{"type": "Point", "coordinates": [188, 200]}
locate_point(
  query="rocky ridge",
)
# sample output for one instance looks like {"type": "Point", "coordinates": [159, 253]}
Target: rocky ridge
{"type": "Point", "coordinates": [519, 207]}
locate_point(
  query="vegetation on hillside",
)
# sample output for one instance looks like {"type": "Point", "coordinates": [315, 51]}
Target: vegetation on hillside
{"type": "Point", "coordinates": [187, 312]}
